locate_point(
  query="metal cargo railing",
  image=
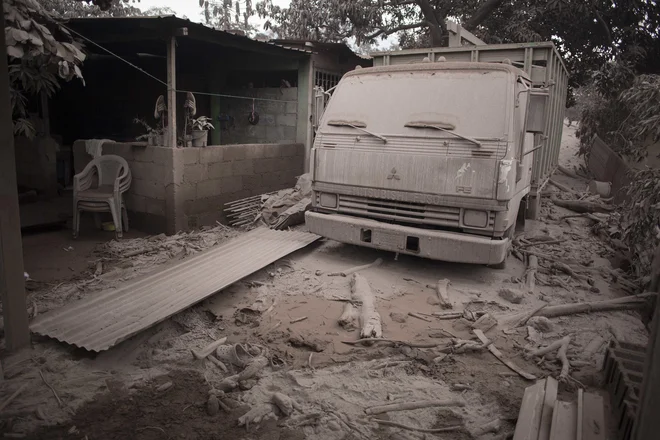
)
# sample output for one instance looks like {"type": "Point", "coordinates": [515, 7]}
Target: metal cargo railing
{"type": "Point", "coordinates": [540, 61]}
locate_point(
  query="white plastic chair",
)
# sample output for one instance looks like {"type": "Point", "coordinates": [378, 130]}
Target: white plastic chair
{"type": "Point", "coordinates": [113, 178]}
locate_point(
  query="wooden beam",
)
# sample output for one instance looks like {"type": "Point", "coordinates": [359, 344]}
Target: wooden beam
{"type": "Point", "coordinates": [171, 93]}
{"type": "Point", "coordinates": [12, 282]}
{"type": "Point", "coordinates": [647, 424]}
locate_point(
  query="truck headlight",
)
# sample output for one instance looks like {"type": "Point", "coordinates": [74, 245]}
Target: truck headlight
{"type": "Point", "coordinates": [475, 219]}
{"type": "Point", "coordinates": [328, 200]}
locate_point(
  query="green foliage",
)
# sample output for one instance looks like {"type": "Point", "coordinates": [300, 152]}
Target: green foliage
{"type": "Point", "coordinates": [229, 15]}
{"type": "Point", "coordinates": [40, 52]}
{"type": "Point", "coordinates": [81, 9]}
{"type": "Point", "coordinates": [202, 123]}
{"type": "Point", "coordinates": [639, 217]}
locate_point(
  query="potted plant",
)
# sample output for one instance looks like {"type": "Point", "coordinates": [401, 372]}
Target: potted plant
{"type": "Point", "coordinates": [151, 136]}
{"type": "Point", "coordinates": [200, 131]}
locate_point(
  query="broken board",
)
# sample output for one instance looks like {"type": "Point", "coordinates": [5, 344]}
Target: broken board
{"type": "Point", "coordinates": [102, 320]}
{"type": "Point", "coordinates": [564, 421]}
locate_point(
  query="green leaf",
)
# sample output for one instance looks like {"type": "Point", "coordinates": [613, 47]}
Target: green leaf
{"type": "Point", "coordinates": [15, 51]}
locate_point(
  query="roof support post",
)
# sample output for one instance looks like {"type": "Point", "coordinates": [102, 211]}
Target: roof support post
{"type": "Point", "coordinates": [12, 282]}
{"type": "Point", "coordinates": [171, 93]}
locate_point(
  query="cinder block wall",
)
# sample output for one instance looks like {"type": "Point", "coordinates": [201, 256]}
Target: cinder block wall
{"type": "Point", "coordinates": [278, 119]}
{"type": "Point", "coordinates": [151, 171]}
{"type": "Point", "coordinates": [215, 175]}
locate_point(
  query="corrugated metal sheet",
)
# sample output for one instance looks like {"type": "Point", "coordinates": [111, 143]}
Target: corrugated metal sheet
{"type": "Point", "coordinates": [103, 320]}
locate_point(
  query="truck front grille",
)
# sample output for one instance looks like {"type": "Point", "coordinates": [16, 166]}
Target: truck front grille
{"type": "Point", "coordinates": [402, 212]}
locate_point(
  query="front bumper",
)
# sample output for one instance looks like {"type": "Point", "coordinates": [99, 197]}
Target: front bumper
{"type": "Point", "coordinates": [436, 245]}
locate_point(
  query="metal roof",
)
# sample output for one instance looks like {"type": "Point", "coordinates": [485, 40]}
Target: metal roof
{"type": "Point", "coordinates": [145, 27]}
{"type": "Point", "coordinates": [100, 321]}
{"type": "Point", "coordinates": [318, 45]}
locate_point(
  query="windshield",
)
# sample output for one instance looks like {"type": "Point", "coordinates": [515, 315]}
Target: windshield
{"type": "Point", "coordinates": [473, 103]}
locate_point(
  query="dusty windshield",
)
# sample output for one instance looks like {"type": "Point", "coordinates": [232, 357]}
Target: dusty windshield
{"type": "Point", "coordinates": [473, 103]}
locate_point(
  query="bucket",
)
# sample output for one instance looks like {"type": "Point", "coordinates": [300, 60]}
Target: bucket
{"type": "Point", "coordinates": [603, 189]}
{"type": "Point", "coordinates": [200, 138]}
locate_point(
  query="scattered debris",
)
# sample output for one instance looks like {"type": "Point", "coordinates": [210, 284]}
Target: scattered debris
{"type": "Point", "coordinates": [302, 318]}
{"type": "Point", "coordinates": [406, 406]}
{"type": "Point", "coordinates": [442, 290]}
{"type": "Point", "coordinates": [448, 315]}
{"type": "Point", "coordinates": [484, 340]}
{"type": "Point", "coordinates": [512, 295]}
{"type": "Point", "coordinates": [355, 269]}
{"type": "Point", "coordinates": [414, 428]}
{"type": "Point", "coordinates": [418, 316]}
{"type": "Point", "coordinates": [541, 324]}
{"type": "Point", "coordinates": [349, 317]}
{"type": "Point", "coordinates": [561, 346]}
{"type": "Point", "coordinates": [164, 387]}
{"type": "Point", "coordinates": [493, 427]}
{"type": "Point", "coordinates": [485, 323]}
{"type": "Point", "coordinates": [209, 349]}
{"type": "Point", "coordinates": [398, 317]}
{"type": "Point", "coordinates": [212, 405]}
{"type": "Point", "coordinates": [370, 323]}
{"type": "Point", "coordinates": [311, 342]}
{"type": "Point", "coordinates": [582, 206]}
{"type": "Point", "coordinates": [532, 267]}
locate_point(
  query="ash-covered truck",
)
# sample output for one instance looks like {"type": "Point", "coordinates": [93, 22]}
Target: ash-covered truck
{"type": "Point", "coordinates": [439, 152]}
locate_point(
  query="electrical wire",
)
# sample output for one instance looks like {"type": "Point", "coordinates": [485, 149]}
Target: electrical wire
{"type": "Point", "coordinates": [163, 82]}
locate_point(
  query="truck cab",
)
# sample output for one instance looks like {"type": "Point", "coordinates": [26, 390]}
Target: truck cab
{"type": "Point", "coordinates": [430, 159]}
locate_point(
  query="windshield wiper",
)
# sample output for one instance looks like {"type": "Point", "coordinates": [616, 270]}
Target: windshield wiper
{"type": "Point", "coordinates": [358, 126]}
{"type": "Point", "coordinates": [447, 128]}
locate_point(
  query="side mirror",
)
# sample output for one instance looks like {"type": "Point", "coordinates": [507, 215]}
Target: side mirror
{"type": "Point", "coordinates": [536, 112]}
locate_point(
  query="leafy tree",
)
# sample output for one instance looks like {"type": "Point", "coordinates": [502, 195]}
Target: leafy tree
{"type": "Point", "coordinates": [40, 53]}
{"type": "Point", "coordinates": [229, 15]}
{"type": "Point", "coordinates": [80, 9]}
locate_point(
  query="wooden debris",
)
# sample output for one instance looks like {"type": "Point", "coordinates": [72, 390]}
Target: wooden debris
{"type": "Point", "coordinates": [11, 398]}
{"type": "Point", "coordinates": [549, 401]}
{"type": "Point", "coordinates": [164, 387]}
{"type": "Point", "coordinates": [564, 421]}
{"type": "Point", "coordinates": [293, 321]}
{"type": "Point", "coordinates": [531, 412]}
{"type": "Point", "coordinates": [392, 341]}
{"type": "Point", "coordinates": [532, 266]}
{"type": "Point", "coordinates": [593, 418]}
{"type": "Point", "coordinates": [370, 323]}
{"type": "Point", "coordinates": [493, 427]}
{"type": "Point", "coordinates": [582, 206]}
{"type": "Point", "coordinates": [448, 315]}
{"type": "Point", "coordinates": [355, 269]}
{"type": "Point", "coordinates": [204, 352]}
{"type": "Point", "coordinates": [442, 290]}
{"type": "Point", "coordinates": [592, 348]}
{"type": "Point", "coordinates": [349, 317]}
{"type": "Point", "coordinates": [561, 346]}
{"type": "Point", "coordinates": [405, 406]}
{"type": "Point", "coordinates": [561, 186]}
{"type": "Point", "coordinates": [485, 323]}
{"type": "Point", "coordinates": [623, 303]}
{"type": "Point", "coordinates": [52, 389]}
{"type": "Point", "coordinates": [498, 354]}
{"type": "Point", "coordinates": [418, 316]}
{"type": "Point", "coordinates": [414, 428]}
{"type": "Point", "coordinates": [284, 403]}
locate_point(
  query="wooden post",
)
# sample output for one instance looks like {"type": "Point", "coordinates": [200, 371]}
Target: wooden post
{"type": "Point", "coordinates": [648, 421]}
{"type": "Point", "coordinates": [171, 93]}
{"type": "Point", "coordinates": [12, 283]}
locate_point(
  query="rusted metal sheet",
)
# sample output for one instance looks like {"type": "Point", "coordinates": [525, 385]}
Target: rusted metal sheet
{"type": "Point", "coordinates": [607, 166]}
{"type": "Point", "coordinates": [103, 320]}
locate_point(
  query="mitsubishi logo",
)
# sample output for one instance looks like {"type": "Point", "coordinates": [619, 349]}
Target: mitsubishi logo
{"type": "Point", "coordinates": [393, 175]}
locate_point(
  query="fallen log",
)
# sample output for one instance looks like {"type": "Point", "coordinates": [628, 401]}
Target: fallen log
{"type": "Point", "coordinates": [560, 186]}
{"type": "Point", "coordinates": [442, 290]}
{"type": "Point", "coordinates": [582, 206]}
{"type": "Point", "coordinates": [405, 406]}
{"type": "Point", "coordinates": [370, 322]}
{"type": "Point", "coordinates": [532, 266]}
{"type": "Point", "coordinates": [625, 303]}
{"type": "Point", "coordinates": [498, 354]}
{"type": "Point", "coordinates": [355, 269]}
{"type": "Point", "coordinates": [561, 346]}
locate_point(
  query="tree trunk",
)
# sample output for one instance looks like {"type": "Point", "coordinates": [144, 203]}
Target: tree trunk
{"type": "Point", "coordinates": [436, 20]}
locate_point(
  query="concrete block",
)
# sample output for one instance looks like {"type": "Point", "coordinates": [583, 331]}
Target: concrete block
{"type": "Point", "coordinates": [211, 154]}
{"type": "Point", "coordinates": [191, 222]}
{"type": "Point", "coordinates": [202, 205]}
{"type": "Point", "coordinates": [253, 183]}
{"type": "Point", "coordinates": [209, 188]}
{"type": "Point", "coordinates": [231, 184]}
{"type": "Point", "coordinates": [148, 188]}
{"type": "Point", "coordinates": [291, 107]}
{"type": "Point", "coordinates": [272, 150]}
{"type": "Point", "coordinates": [153, 172]}
{"type": "Point", "coordinates": [255, 133]}
{"type": "Point", "coordinates": [233, 152]}
{"type": "Point", "coordinates": [221, 169]}
{"type": "Point", "coordinates": [287, 119]}
{"type": "Point", "coordinates": [190, 155]}
{"type": "Point", "coordinates": [289, 94]}
{"type": "Point", "coordinates": [142, 153]}
{"type": "Point", "coordinates": [242, 167]}
{"type": "Point", "coordinates": [155, 207]}
{"type": "Point", "coordinates": [271, 107]}
{"type": "Point", "coordinates": [187, 191]}
{"type": "Point", "coordinates": [274, 134]}
{"type": "Point", "coordinates": [254, 151]}
{"type": "Point", "coordinates": [162, 155]}
{"type": "Point", "coordinates": [268, 119]}
{"type": "Point", "coordinates": [135, 202]}
{"type": "Point", "coordinates": [262, 166]}
{"type": "Point", "coordinates": [210, 218]}
{"type": "Point", "coordinates": [289, 134]}
{"type": "Point", "coordinates": [194, 173]}
{"type": "Point", "coordinates": [290, 150]}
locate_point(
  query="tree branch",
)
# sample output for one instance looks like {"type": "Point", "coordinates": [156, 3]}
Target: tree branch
{"type": "Point", "coordinates": [484, 11]}
{"type": "Point", "coordinates": [396, 29]}
{"type": "Point", "coordinates": [605, 26]}
{"type": "Point", "coordinates": [436, 26]}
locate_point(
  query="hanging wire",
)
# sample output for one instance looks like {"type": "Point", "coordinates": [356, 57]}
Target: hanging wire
{"type": "Point", "coordinates": [165, 83]}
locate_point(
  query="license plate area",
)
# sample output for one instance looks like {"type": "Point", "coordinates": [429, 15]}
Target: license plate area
{"type": "Point", "coordinates": [388, 239]}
